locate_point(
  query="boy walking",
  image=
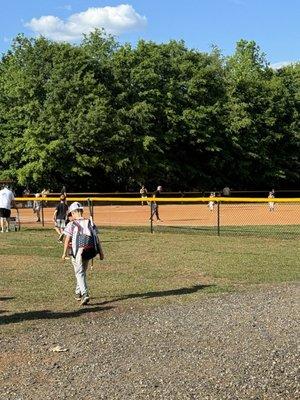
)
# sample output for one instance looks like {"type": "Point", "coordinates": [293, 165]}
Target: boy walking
{"type": "Point", "coordinates": [75, 232]}
{"type": "Point", "coordinates": [60, 216]}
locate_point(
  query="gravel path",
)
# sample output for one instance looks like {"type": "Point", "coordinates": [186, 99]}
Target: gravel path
{"type": "Point", "coordinates": [233, 346]}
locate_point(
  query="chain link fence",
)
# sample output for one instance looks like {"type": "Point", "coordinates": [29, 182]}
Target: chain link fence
{"type": "Point", "coordinates": [209, 215]}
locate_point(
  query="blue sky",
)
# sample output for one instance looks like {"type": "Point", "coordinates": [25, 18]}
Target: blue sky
{"type": "Point", "coordinates": [273, 24]}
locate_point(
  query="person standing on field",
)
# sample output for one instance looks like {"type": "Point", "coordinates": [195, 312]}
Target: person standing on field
{"type": "Point", "coordinates": [143, 193]}
{"type": "Point", "coordinates": [60, 216]}
{"type": "Point", "coordinates": [211, 203]}
{"type": "Point", "coordinates": [7, 200]}
{"type": "Point", "coordinates": [75, 232]}
{"type": "Point", "coordinates": [271, 203]}
{"type": "Point", "coordinates": [154, 205]}
{"type": "Point", "coordinates": [37, 205]}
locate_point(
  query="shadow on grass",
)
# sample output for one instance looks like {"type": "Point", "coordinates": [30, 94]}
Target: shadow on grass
{"type": "Point", "coordinates": [163, 293]}
{"type": "Point", "coordinates": [47, 314]}
{"type": "Point", "coordinates": [6, 298]}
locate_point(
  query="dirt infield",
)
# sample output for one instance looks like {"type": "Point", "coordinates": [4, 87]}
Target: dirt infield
{"type": "Point", "coordinates": [182, 215]}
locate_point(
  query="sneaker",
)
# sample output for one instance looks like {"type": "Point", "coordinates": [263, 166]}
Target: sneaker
{"type": "Point", "coordinates": [85, 300]}
{"type": "Point", "coordinates": [78, 296]}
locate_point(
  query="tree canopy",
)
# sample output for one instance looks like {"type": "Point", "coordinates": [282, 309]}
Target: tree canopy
{"type": "Point", "coordinates": [104, 116]}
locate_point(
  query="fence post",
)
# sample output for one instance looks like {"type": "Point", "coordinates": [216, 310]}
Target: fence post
{"type": "Point", "coordinates": [151, 216]}
{"type": "Point", "coordinates": [91, 207]}
{"type": "Point", "coordinates": [42, 207]}
{"type": "Point", "coordinates": [218, 217]}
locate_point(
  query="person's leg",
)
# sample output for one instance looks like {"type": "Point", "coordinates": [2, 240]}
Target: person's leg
{"type": "Point", "coordinates": [7, 213]}
{"type": "Point", "coordinates": [156, 212]}
{"type": "Point", "coordinates": [7, 220]}
{"type": "Point", "coordinates": [2, 224]}
{"type": "Point", "coordinates": [62, 226]}
{"type": "Point", "coordinates": [152, 208]}
{"type": "Point", "coordinates": [80, 268]}
{"type": "Point", "coordinates": [59, 230]}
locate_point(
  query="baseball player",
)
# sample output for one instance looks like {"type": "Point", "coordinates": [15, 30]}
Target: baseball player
{"type": "Point", "coordinates": [271, 203]}
{"type": "Point", "coordinates": [211, 204]}
{"type": "Point", "coordinates": [154, 205]}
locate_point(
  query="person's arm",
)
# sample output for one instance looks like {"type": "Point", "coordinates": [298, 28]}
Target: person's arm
{"type": "Point", "coordinates": [66, 246]}
{"type": "Point", "coordinates": [54, 215]}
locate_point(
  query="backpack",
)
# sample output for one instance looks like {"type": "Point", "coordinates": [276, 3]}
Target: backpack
{"type": "Point", "coordinates": [89, 243]}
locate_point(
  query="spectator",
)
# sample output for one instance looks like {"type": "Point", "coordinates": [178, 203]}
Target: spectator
{"type": "Point", "coordinates": [226, 191]}
{"type": "Point", "coordinates": [26, 193]}
{"type": "Point", "coordinates": [7, 200]}
{"type": "Point", "coordinates": [63, 191]}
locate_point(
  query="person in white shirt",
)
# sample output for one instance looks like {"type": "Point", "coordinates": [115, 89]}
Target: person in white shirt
{"type": "Point", "coordinates": [271, 203]}
{"type": "Point", "coordinates": [7, 200]}
{"type": "Point", "coordinates": [211, 203]}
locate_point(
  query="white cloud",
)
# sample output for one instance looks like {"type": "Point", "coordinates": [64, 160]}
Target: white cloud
{"type": "Point", "coordinates": [115, 20]}
{"type": "Point", "coordinates": [281, 64]}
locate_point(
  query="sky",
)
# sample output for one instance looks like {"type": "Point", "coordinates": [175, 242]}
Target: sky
{"type": "Point", "coordinates": [273, 24]}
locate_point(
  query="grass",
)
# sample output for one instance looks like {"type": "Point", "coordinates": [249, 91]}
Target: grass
{"type": "Point", "coordinates": [276, 231]}
{"type": "Point", "coordinates": [140, 270]}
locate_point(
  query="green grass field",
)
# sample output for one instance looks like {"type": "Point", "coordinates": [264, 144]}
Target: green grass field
{"type": "Point", "coordinates": [140, 270]}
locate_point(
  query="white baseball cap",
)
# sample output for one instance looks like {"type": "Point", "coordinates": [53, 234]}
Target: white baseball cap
{"type": "Point", "coordinates": [75, 206]}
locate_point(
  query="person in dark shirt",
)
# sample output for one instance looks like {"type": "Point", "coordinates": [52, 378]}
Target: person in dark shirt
{"type": "Point", "coordinates": [60, 216]}
{"type": "Point", "coordinates": [154, 205]}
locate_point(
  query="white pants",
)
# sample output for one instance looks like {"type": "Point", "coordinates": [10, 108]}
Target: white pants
{"type": "Point", "coordinates": [80, 268]}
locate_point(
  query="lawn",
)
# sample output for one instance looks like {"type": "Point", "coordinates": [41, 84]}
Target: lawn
{"type": "Point", "coordinates": [140, 270]}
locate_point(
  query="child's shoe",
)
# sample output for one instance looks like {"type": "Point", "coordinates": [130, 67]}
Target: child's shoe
{"type": "Point", "coordinates": [85, 300]}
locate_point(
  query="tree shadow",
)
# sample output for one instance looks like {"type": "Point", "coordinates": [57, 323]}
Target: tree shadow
{"type": "Point", "coordinates": [163, 293]}
{"type": "Point", "coordinates": [6, 298]}
{"type": "Point", "coordinates": [48, 314]}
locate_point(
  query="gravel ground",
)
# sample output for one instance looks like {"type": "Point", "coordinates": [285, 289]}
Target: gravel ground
{"type": "Point", "coordinates": [233, 346]}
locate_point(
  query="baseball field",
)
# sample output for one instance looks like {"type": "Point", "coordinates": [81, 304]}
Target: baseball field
{"type": "Point", "coordinates": [197, 215]}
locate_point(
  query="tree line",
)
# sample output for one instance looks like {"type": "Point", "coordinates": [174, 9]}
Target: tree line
{"type": "Point", "coordinates": [104, 116]}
